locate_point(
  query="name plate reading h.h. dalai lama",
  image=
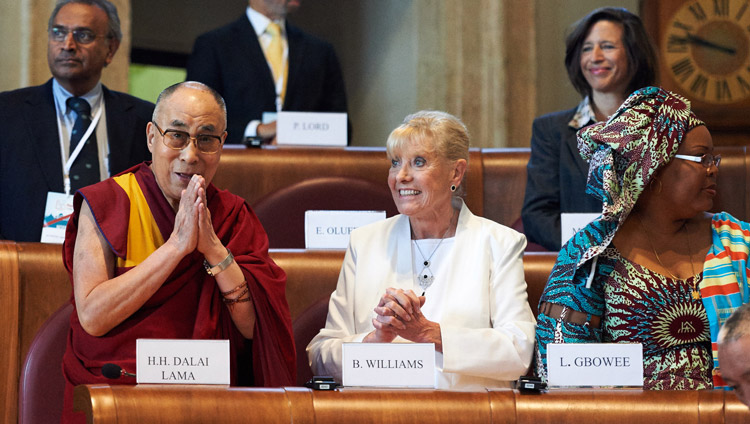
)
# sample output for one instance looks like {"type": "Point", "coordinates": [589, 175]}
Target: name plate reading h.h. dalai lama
{"type": "Point", "coordinates": [311, 129]}
{"type": "Point", "coordinates": [171, 361]}
{"type": "Point", "coordinates": [594, 364]}
{"type": "Point", "coordinates": [389, 365]}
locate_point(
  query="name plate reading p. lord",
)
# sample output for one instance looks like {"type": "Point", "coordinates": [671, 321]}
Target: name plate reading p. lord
{"type": "Point", "coordinates": [311, 129]}
{"type": "Point", "coordinates": [571, 223]}
{"type": "Point", "coordinates": [331, 229]}
{"type": "Point", "coordinates": [176, 361]}
{"type": "Point", "coordinates": [594, 364]}
{"type": "Point", "coordinates": [389, 365]}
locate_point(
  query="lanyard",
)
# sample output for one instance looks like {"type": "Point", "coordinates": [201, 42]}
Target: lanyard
{"type": "Point", "coordinates": [74, 154]}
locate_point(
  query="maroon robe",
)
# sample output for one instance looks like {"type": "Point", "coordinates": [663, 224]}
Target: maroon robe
{"type": "Point", "coordinates": [188, 305]}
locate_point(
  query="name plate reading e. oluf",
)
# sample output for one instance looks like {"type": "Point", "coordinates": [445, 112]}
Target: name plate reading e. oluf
{"type": "Point", "coordinates": [175, 361]}
{"type": "Point", "coordinates": [331, 229]}
{"type": "Point", "coordinates": [389, 364]}
{"type": "Point", "coordinates": [311, 129]}
{"type": "Point", "coordinates": [594, 364]}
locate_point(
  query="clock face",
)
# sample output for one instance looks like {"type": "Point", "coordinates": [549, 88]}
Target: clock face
{"type": "Point", "coordinates": [706, 49]}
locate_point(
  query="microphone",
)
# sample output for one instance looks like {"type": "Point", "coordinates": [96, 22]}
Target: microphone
{"type": "Point", "coordinates": [113, 371]}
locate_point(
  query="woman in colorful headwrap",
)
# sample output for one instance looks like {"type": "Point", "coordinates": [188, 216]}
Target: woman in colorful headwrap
{"type": "Point", "coordinates": [655, 267]}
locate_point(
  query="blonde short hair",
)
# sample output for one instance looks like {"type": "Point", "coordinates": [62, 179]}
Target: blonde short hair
{"type": "Point", "coordinates": [439, 132]}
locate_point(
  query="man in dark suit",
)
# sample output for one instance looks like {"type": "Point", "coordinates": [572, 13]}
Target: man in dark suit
{"type": "Point", "coordinates": [235, 61]}
{"type": "Point", "coordinates": [40, 123]}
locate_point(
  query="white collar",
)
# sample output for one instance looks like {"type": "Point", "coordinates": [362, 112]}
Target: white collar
{"type": "Point", "coordinates": [584, 115]}
{"type": "Point", "coordinates": [61, 95]}
{"type": "Point", "coordinates": [260, 22]}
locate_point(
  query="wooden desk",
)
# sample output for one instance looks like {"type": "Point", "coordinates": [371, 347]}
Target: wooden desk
{"type": "Point", "coordinates": [161, 403]}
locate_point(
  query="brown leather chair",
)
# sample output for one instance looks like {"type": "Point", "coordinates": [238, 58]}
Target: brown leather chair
{"type": "Point", "coordinates": [305, 327]}
{"type": "Point", "coordinates": [42, 385]}
{"type": "Point", "coordinates": [282, 213]}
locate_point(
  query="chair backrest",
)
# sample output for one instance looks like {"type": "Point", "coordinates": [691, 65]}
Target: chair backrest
{"type": "Point", "coordinates": [282, 213]}
{"type": "Point", "coordinates": [305, 327]}
{"type": "Point", "coordinates": [42, 386]}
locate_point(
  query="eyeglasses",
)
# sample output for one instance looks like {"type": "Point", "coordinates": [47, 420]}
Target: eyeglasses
{"type": "Point", "coordinates": [706, 160]}
{"type": "Point", "coordinates": [178, 140]}
{"type": "Point", "coordinates": [81, 36]}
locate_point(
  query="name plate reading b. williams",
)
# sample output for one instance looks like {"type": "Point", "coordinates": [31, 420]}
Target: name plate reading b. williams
{"type": "Point", "coordinates": [173, 361]}
{"type": "Point", "coordinates": [389, 365]}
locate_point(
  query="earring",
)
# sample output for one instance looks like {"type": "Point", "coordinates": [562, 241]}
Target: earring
{"type": "Point", "coordinates": [651, 185]}
{"type": "Point", "coordinates": [453, 187]}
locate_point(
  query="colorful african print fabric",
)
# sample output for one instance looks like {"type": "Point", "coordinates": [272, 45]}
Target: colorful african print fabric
{"type": "Point", "coordinates": [642, 306]}
{"type": "Point", "coordinates": [624, 153]}
{"type": "Point", "coordinates": [723, 288]}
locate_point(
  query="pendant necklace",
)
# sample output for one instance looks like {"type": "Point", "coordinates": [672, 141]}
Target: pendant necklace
{"type": "Point", "coordinates": [694, 291]}
{"type": "Point", "coordinates": [425, 278]}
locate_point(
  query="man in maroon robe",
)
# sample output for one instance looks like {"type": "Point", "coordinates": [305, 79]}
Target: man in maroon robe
{"type": "Point", "coordinates": [159, 252]}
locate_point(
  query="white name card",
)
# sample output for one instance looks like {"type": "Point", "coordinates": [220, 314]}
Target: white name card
{"type": "Point", "coordinates": [389, 364]}
{"type": "Point", "coordinates": [57, 211]}
{"type": "Point", "coordinates": [571, 223]}
{"type": "Point", "coordinates": [595, 364]}
{"type": "Point", "coordinates": [331, 229]}
{"type": "Point", "coordinates": [311, 129]}
{"type": "Point", "coordinates": [171, 361]}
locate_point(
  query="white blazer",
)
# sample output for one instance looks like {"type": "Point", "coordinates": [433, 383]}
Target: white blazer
{"type": "Point", "coordinates": [480, 302]}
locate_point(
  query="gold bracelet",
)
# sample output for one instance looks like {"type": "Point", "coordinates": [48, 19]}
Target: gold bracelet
{"type": "Point", "coordinates": [242, 284]}
{"type": "Point", "coordinates": [214, 270]}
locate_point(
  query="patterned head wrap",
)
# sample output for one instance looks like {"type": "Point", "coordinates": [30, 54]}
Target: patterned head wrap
{"type": "Point", "coordinates": [625, 152]}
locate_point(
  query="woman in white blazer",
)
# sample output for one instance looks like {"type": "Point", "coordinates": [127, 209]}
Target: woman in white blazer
{"type": "Point", "coordinates": [436, 273]}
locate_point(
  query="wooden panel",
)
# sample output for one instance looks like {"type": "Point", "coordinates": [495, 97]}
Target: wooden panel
{"type": "Point", "coordinates": [400, 406]}
{"type": "Point", "coordinates": [155, 403]}
{"type": "Point", "coordinates": [45, 286]}
{"type": "Point", "coordinates": [733, 182]}
{"type": "Point", "coordinates": [9, 316]}
{"type": "Point", "coordinates": [311, 274]}
{"type": "Point", "coordinates": [536, 268]}
{"type": "Point", "coordinates": [182, 404]}
{"type": "Point", "coordinates": [504, 175]}
{"type": "Point", "coordinates": [254, 173]}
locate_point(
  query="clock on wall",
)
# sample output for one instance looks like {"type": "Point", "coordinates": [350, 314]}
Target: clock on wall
{"type": "Point", "coordinates": [704, 49]}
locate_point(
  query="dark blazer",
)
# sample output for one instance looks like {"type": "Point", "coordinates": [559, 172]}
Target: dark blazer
{"type": "Point", "coordinates": [231, 61]}
{"type": "Point", "coordinates": [30, 162]}
{"type": "Point", "coordinates": [556, 179]}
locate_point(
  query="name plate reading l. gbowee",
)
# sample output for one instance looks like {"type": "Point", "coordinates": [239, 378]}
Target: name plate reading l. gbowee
{"type": "Point", "coordinates": [311, 129]}
{"type": "Point", "coordinates": [176, 361]}
{"type": "Point", "coordinates": [595, 364]}
{"type": "Point", "coordinates": [389, 365]}
{"type": "Point", "coordinates": [331, 229]}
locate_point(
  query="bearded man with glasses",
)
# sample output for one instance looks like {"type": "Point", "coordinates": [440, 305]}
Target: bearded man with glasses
{"type": "Point", "coordinates": [45, 124]}
{"type": "Point", "coordinates": [159, 252]}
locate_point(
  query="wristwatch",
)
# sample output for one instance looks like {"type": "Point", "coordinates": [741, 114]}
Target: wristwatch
{"type": "Point", "coordinates": [214, 270]}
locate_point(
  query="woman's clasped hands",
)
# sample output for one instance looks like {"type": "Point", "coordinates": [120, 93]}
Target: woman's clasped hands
{"type": "Point", "coordinates": [399, 313]}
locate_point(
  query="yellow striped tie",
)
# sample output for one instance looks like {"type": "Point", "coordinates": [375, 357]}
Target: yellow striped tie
{"type": "Point", "coordinates": [275, 55]}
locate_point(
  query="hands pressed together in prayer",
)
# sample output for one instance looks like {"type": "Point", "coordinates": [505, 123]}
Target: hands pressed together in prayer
{"type": "Point", "coordinates": [192, 225]}
{"type": "Point", "coordinates": [399, 313]}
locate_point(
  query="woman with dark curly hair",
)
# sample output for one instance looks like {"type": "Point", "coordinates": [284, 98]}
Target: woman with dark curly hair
{"type": "Point", "coordinates": [608, 55]}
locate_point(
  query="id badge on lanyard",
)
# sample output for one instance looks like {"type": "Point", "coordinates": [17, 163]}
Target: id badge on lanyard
{"type": "Point", "coordinates": [59, 206]}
